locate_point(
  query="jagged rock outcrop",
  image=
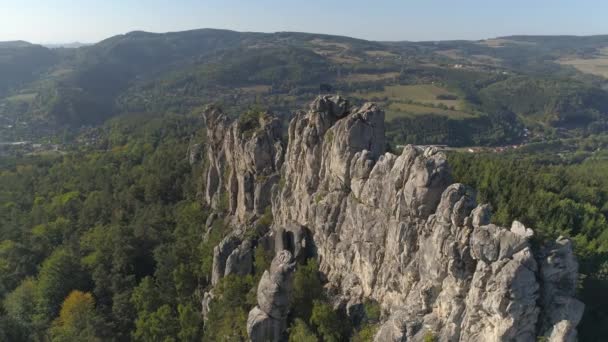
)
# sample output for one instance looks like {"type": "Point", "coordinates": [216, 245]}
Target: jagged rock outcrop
{"type": "Point", "coordinates": [232, 256]}
{"type": "Point", "coordinates": [194, 153]}
{"type": "Point", "coordinates": [559, 271]}
{"type": "Point", "coordinates": [394, 228]}
{"type": "Point", "coordinates": [267, 321]}
{"type": "Point", "coordinates": [244, 158]}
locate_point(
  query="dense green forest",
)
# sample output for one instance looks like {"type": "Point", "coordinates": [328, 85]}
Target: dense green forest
{"type": "Point", "coordinates": [120, 224]}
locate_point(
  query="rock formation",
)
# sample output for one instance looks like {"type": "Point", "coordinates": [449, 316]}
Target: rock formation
{"type": "Point", "coordinates": [231, 256]}
{"type": "Point", "coordinates": [387, 227]}
{"type": "Point", "coordinates": [394, 228]}
{"type": "Point", "coordinates": [244, 161]}
{"type": "Point", "coordinates": [267, 321]}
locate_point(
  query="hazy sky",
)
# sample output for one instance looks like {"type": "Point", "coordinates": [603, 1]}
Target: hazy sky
{"type": "Point", "coordinates": [61, 21]}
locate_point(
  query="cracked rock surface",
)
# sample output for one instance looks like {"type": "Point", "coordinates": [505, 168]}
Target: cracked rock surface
{"type": "Point", "coordinates": [267, 321]}
{"type": "Point", "coordinates": [387, 227]}
{"type": "Point", "coordinates": [394, 228]}
{"type": "Point", "coordinates": [244, 162]}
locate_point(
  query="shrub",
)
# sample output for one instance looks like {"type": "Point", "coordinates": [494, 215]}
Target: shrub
{"type": "Point", "coordinates": [307, 287]}
{"type": "Point", "coordinates": [300, 332]}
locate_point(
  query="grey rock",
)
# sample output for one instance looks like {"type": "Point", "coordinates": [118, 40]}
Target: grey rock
{"type": "Point", "coordinates": [240, 261]}
{"type": "Point", "coordinates": [267, 321]}
{"type": "Point", "coordinates": [392, 228]}
{"type": "Point", "coordinates": [395, 229]}
{"type": "Point", "coordinates": [559, 273]}
{"type": "Point", "coordinates": [195, 153]}
{"type": "Point", "coordinates": [519, 229]}
{"type": "Point", "coordinates": [243, 163]}
{"type": "Point", "coordinates": [231, 256]}
{"type": "Point", "coordinates": [481, 215]}
{"type": "Point", "coordinates": [295, 239]}
{"type": "Point", "coordinates": [263, 328]}
{"type": "Point", "coordinates": [393, 330]}
{"type": "Point", "coordinates": [206, 304]}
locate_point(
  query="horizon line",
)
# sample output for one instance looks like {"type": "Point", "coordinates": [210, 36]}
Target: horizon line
{"type": "Point", "coordinates": [301, 32]}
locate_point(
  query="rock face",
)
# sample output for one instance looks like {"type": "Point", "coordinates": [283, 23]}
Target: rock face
{"type": "Point", "coordinates": [231, 256]}
{"type": "Point", "coordinates": [394, 228]}
{"type": "Point", "coordinates": [559, 277]}
{"type": "Point", "coordinates": [388, 227]}
{"type": "Point", "coordinates": [267, 321]}
{"type": "Point", "coordinates": [244, 162]}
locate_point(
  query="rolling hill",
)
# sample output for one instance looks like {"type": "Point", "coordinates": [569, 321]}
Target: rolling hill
{"type": "Point", "coordinates": [523, 77]}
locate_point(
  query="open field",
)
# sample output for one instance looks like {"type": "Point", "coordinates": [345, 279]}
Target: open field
{"type": "Point", "coordinates": [485, 59]}
{"type": "Point", "coordinates": [61, 72]}
{"type": "Point", "coordinates": [421, 93]}
{"type": "Point", "coordinates": [255, 89]}
{"type": "Point", "coordinates": [595, 66]}
{"type": "Point", "coordinates": [501, 42]}
{"type": "Point", "coordinates": [336, 52]}
{"type": "Point", "coordinates": [325, 43]}
{"type": "Point", "coordinates": [380, 53]}
{"type": "Point", "coordinates": [474, 59]}
{"type": "Point", "coordinates": [344, 59]}
{"type": "Point", "coordinates": [26, 97]}
{"type": "Point", "coordinates": [399, 110]}
{"type": "Point", "coordinates": [451, 53]}
{"type": "Point", "coordinates": [361, 77]}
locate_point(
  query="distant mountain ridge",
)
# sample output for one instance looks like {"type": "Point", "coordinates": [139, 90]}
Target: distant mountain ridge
{"type": "Point", "coordinates": [178, 71]}
{"type": "Point", "coordinates": [72, 45]}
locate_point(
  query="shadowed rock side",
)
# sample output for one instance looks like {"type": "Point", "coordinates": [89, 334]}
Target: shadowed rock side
{"type": "Point", "coordinates": [244, 162]}
{"type": "Point", "coordinates": [394, 228]}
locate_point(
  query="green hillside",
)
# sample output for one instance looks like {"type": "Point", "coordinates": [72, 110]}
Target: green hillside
{"type": "Point", "coordinates": [540, 81]}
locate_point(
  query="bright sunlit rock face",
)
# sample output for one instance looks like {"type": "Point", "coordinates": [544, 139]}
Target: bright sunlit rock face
{"type": "Point", "coordinates": [393, 228]}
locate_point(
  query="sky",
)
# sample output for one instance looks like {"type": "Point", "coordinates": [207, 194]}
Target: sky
{"type": "Point", "coordinates": [89, 21]}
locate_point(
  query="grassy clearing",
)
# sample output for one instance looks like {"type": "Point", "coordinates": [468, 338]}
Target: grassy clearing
{"type": "Point", "coordinates": [451, 53]}
{"type": "Point", "coordinates": [485, 59]}
{"type": "Point", "coordinates": [325, 43]}
{"type": "Point", "coordinates": [61, 72]}
{"type": "Point", "coordinates": [380, 53]}
{"type": "Point", "coordinates": [26, 97]}
{"type": "Point", "coordinates": [336, 52]}
{"type": "Point", "coordinates": [414, 100]}
{"type": "Point", "coordinates": [400, 110]}
{"type": "Point", "coordinates": [500, 42]}
{"type": "Point", "coordinates": [421, 93]}
{"type": "Point", "coordinates": [595, 66]}
{"type": "Point", "coordinates": [369, 77]}
{"type": "Point", "coordinates": [475, 59]}
{"type": "Point", "coordinates": [344, 59]}
{"type": "Point", "coordinates": [256, 89]}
